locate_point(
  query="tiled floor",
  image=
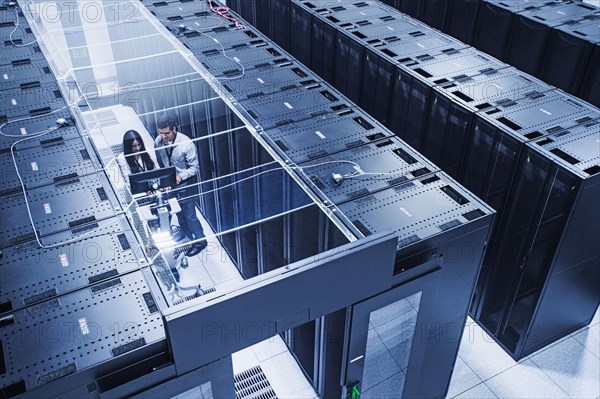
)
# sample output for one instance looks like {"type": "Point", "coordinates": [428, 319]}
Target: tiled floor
{"type": "Point", "coordinates": [569, 368]}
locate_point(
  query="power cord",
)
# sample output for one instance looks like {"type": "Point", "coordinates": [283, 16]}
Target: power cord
{"type": "Point", "coordinates": [182, 28]}
{"type": "Point", "coordinates": [14, 5]}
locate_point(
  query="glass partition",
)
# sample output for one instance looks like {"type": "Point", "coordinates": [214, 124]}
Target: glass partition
{"type": "Point", "coordinates": [120, 70]}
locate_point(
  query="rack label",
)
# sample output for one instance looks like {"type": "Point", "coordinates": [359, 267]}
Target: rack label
{"type": "Point", "coordinates": [288, 105]}
{"type": "Point", "coordinates": [5, 76]}
{"type": "Point", "coordinates": [321, 135]}
{"type": "Point", "coordinates": [23, 130]}
{"type": "Point", "coordinates": [83, 326]}
{"type": "Point", "coordinates": [47, 208]}
{"type": "Point", "coordinates": [34, 166]}
{"type": "Point", "coordinates": [13, 101]}
{"type": "Point", "coordinates": [64, 261]}
{"type": "Point", "coordinates": [406, 212]}
{"type": "Point", "coordinates": [260, 80]}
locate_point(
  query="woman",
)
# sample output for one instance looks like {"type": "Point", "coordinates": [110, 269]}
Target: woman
{"type": "Point", "coordinates": [135, 158]}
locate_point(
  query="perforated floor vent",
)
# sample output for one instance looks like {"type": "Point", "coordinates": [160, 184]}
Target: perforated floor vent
{"type": "Point", "coordinates": [253, 384]}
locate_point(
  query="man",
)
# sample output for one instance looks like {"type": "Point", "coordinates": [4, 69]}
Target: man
{"type": "Point", "coordinates": [176, 149]}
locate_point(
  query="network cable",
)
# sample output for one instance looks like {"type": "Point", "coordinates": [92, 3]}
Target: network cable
{"type": "Point", "coordinates": [222, 11]}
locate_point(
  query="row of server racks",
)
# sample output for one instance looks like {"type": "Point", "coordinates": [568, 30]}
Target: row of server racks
{"type": "Point", "coordinates": [556, 41]}
{"type": "Point", "coordinates": [82, 317]}
{"type": "Point", "coordinates": [323, 133]}
{"type": "Point", "coordinates": [527, 149]}
{"type": "Point", "coordinates": [61, 282]}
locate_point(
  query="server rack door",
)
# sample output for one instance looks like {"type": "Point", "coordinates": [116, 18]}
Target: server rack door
{"type": "Point", "coordinates": [433, 12]}
{"type": "Point", "coordinates": [491, 29]}
{"type": "Point", "coordinates": [460, 19]}
{"type": "Point", "coordinates": [527, 236]}
{"type": "Point", "coordinates": [590, 84]}
{"type": "Point", "coordinates": [384, 340]}
{"type": "Point", "coordinates": [525, 44]}
{"type": "Point", "coordinates": [564, 60]}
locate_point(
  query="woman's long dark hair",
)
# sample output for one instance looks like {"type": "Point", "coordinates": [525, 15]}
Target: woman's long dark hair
{"type": "Point", "coordinates": [128, 138]}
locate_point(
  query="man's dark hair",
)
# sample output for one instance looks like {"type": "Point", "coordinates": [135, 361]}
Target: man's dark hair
{"type": "Point", "coordinates": [166, 120]}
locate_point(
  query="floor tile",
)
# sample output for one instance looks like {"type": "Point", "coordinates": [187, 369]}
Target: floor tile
{"type": "Point", "coordinates": [397, 336]}
{"type": "Point", "coordinates": [572, 367]}
{"type": "Point", "coordinates": [286, 378]}
{"type": "Point", "coordinates": [463, 378]}
{"type": "Point", "coordinates": [482, 354]}
{"type": "Point", "coordinates": [590, 338]}
{"type": "Point", "coordinates": [596, 319]}
{"type": "Point", "coordinates": [525, 380]}
{"type": "Point", "coordinates": [415, 300]}
{"type": "Point", "coordinates": [388, 389]}
{"type": "Point", "coordinates": [480, 391]}
{"type": "Point", "coordinates": [243, 360]}
{"type": "Point", "coordinates": [390, 312]}
{"type": "Point", "coordinates": [379, 363]}
{"type": "Point", "coordinates": [269, 347]}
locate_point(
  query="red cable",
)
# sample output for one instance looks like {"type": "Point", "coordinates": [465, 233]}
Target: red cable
{"type": "Point", "coordinates": [222, 11]}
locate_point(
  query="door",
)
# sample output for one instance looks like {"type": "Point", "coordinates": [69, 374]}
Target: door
{"type": "Point", "coordinates": [388, 335]}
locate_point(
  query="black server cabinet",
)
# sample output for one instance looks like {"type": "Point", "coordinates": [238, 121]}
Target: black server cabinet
{"type": "Point", "coordinates": [26, 75]}
{"type": "Point", "coordinates": [494, 23]}
{"type": "Point", "coordinates": [37, 168]}
{"type": "Point", "coordinates": [234, 62]}
{"type": "Point", "coordinates": [454, 104]}
{"type": "Point", "coordinates": [326, 134]}
{"type": "Point", "coordinates": [589, 89]}
{"type": "Point", "coordinates": [569, 49]}
{"type": "Point", "coordinates": [270, 80]}
{"type": "Point", "coordinates": [499, 133]}
{"type": "Point", "coordinates": [37, 274]}
{"type": "Point", "coordinates": [380, 64]}
{"type": "Point", "coordinates": [76, 203]}
{"type": "Point", "coordinates": [39, 131]}
{"type": "Point", "coordinates": [530, 30]}
{"type": "Point", "coordinates": [31, 100]}
{"type": "Point", "coordinates": [437, 223]}
{"type": "Point", "coordinates": [367, 169]}
{"type": "Point", "coordinates": [460, 19]}
{"type": "Point", "coordinates": [416, 78]}
{"type": "Point", "coordinates": [301, 28]}
{"type": "Point", "coordinates": [294, 105]}
{"type": "Point", "coordinates": [172, 11]}
{"type": "Point", "coordinates": [433, 13]}
{"type": "Point", "coordinates": [204, 41]}
{"type": "Point", "coordinates": [543, 284]}
{"type": "Point", "coordinates": [92, 344]}
{"type": "Point", "coordinates": [13, 55]}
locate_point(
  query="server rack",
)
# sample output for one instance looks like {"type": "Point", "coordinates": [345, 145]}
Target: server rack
{"type": "Point", "coordinates": [569, 49]}
{"type": "Point", "coordinates": [38, 274]}
{"type": "Point", "coordinates": [87, 347]}
{"type": "Point", "coordinates": [590, 84]}
{"type": "Point", "coordinates": [499, 133]}
{"type": "Point", "coordinates": [494, 23]}
{"type": "Point", "coordinates": [326, 134]}
{"type": "Point", "coordinates": [27, 74]}
{"type": "Point", "coordinates": [460, 19]}
{"type": "Point", "coordinates": [39, 131]}
{"type": "Point", "coordinates": [295, 105]}
{"type": "Point", "coordinates": [57, 210]}
{"type": "Point", "coordinates": [542, 285]}
{"type": "Point", "coordinates": [414, 83]}
{"type": "Point", "coordinates": [270, 80]}
{"type": "Point", "coordinates": [39, 168]}
{"type": "Point", "coordinates": [454, 105]}
{"type": "Point", "coordinates": [31, 99]}
{"type": "Point", "coordinates": [387, 162]}
{"type": "Point", "coordinates": [13, 55]}
{"type": "Point", "coordinates": [530, 29]}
